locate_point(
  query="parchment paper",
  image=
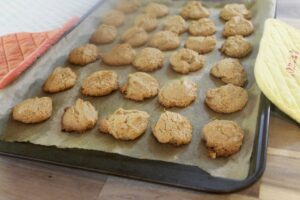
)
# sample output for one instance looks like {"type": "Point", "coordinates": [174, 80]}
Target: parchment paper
{"type": "Point", "coordinates": [49, 132]}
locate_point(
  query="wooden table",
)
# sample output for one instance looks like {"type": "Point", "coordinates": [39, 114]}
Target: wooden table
{"type": "Point", "coordinates": [20, 179]}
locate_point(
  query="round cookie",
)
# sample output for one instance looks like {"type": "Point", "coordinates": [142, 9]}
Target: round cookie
{"type": "Point", "coordinates": [226, 99]}
{"type": "Point", "coordinates": [236, 47]}
{"type": "Point", "coordinates": [173, 128]}
{"type": "Point", "coordinates": [60, 79]}
{"type": "Point", "coordinates": [222, 138]}
{"type": "Point", "coordinates": [194, 10]}
{"type": "Point", "coordinates": [146, 21]}
{"type": "Point", "coordinates": [125, 124]}
{"type": "Point", "coordinates": [104, 34]}
{"type": "Point", "coordinates": [128, 6]}
{"type": "Point", "coordinates": [164, 40]}
{"type": "Point", "coordinates": [148, 59]}
{"type": "Point", "coordinates": [135, 36]}
{"type": "Point", "coordinates": [175, 24]}
{"type": "Point", "coordinates": [84, 55]}
{"type": "Point", "coordinates": [79, 117]}
{"type": "Point", "coordinates": [156, 9]}
{"type": "Point", "coordinates": [33, 110]}
{"type": "Point", "coordinates": [100, 83]}
{"type": "Point", "coordinates": [121, 54]}
{"type": "Point", "coordinates": [140, 86]}
{"type": "Point", "coordinates": [230, 70]}
{"type": "Point", "coordinates": [201, 44]}
{"type": "Point", "coordinates": [231, 10]}
{"type": "Point", "coordinates": [238, 26]}
{"type": "Point", "coordinates": [178, 93]}
{"type": "Point", "coordinates": [186, 60]}
{"type": "Point", "coordinates": [114, 18]}
{"type": "Point", "coordinates": [202, 27]}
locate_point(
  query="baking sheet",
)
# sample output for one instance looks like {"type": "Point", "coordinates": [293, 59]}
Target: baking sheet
{"type": "Point", "coordinates": [49, 133]}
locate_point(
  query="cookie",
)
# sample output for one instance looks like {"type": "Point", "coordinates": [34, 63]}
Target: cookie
{"type": "Point", "coordinates": [125, 124]}
{"type": "Point", "coordinates": [149, 59]}
{"type": "Point", "coordinates": [226, 99]}
{"type": "Point", "coordinates": [173, 128]}
{"type": "Point", "coordinates": [135, 36]}
{"type": "Point", "coordinates": [140, 86]}
{"type": "Point", "coordinates": [100, 83]}
{"type": "Point", "coordinates": [60, 79]}
{"type": "Point", "coordinates": [230, 70]}
{"type": "Point", "coordinates": [201, 44]}
{"type": "Point", "coordinates": [157, 10]}
{"type": "Point", "coordinates": [202, 27]}
{"type": "Point", "coordinates": [84, 55]}
{"type": "Point", "coordinates": [164, 40]}
{"type": "Point", "coordinates": [79, 117]}
{"type": "Point", "coordinates": [104, 34]}
{"type": "Point", "coordinates": [238, 26]}
{"type": "Point", "coordinates": [33, 110]}
{"type": "Point", "coordinates": [236, 47]}
{"type": "Point", "coordinates": [178, 93]}
{"type": "Point", "coordinates": [194, 10]}
{"type": "Point", "coordinates": [222, 138]}
{"type": "Point", "coordinates": [186, 60]}
{"type": "Point", "coordinates": [175, 24]}
{"type": "Point", "coordinates": [232, 10]}
{"type": "Point", "coordinates": [128, 6]}
{"type": "Point", "coordinates": [146, 21]}
{"type": "Point", "coordinates": [121, 54]}
{"type": "Point", "coordinates": [114, 18]}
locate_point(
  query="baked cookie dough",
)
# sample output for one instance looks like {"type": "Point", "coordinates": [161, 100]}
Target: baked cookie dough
{"type": "Point", "coordinates": [149, 59]}
{"type": "Point", "coordinates": [128, 6]}
{"type": "Point", "coordinates": [236, 47]}
{"type": "Point", "coordinates": [164, 40]}
{"type": "Point", "coordinates": [84, 55]}
{"type": "Point", "coordinates": [135, 36]}
{"type": "Point", "coordinates": [61, 79]}
{"type": "Point", "coordinates": [114, 18]}
{"type": "Point", "coordinates": [125, 124]}
{"type": "Point", "coordinates": [238, 26]}
{"type": "Point", "coordinates": [175, 24]}
{"type": "Point", "coordinates": [178, 93]}
{"type": "Point", "coordinates": [140, 86]}
{"type": "Point", "coordinates": [226, 99]}
{"type": "Point", "coordinates": [100, 83]}
{"type": "Point", "coordinates": [202, 27]}
{"type": "Point", "coordinates": [33, 110]}
{"type": "Point", "coordinates": [146, 21]}
{"type": "Point", "coordinates": [230, 70]}
{"type": "Point", "coordinates": [194, 10]}
{"type": "Point", "coordinates": [186, 60]}
{"type": "Point", "coordinates": [121, 54]}
{"type": "Point", "coordinates": [173, 128]}
{"type": "Point", "coordinates": [222, 138]}
{"type": "Point", "coordinates": [201, 44]}
{"type": "Point", "coordinates": [104, 34]}
{"type": "Point", "coordinates": [231, 10]}
{"type": "Point", "coordinates": [157, 10]}
{"type": "Point", "coordinates": [79, 117]}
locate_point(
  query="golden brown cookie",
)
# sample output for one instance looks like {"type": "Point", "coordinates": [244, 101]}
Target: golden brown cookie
{"type": "Point", "coordinates": [231, 10]}
{"type": "Point", "coordinates": [194, 10]}
{"type": "Point", "coordinates": [236, 47]}
{"type": "Point", "coordinates": [149, 59]}
{"type": "Point", "coordinates": [173, 128]}
{"type": "Point", "coordinates": [156, 9]}
{"type": "Point", "coordinates": [175, 24]}
{"type": "Point", "coordinates": [238, 26]}
{"type": "Point", "coordinates": [79, 117]}
{"type": "Point", "coordinates": [226, 99]}
{"type": "Point", "coordinates": [201, 44]}
{"type": "Point", "coordinates": [128, 6]}
{"type": "Point", "coordinates": [230, 70]}
{"type": "Point", "coordinates": [222, 138]}
{"type": "Point", "coordinates": [114, 18]}
{"type": "Point", "coordinates": [178, 93]}
{"type": "Point", "coordinates": [186, 60]}
{"type": "Point", "coordinates": [164, 40]}
{"type": "Point", "coordinates": [121, 54]}
{"type": "Point", "coordinates": [125, 124]}
{"type": "Point", "coordinates": [202, 27]}
{"type": "Point", "coordinates": [100, 83]}
{"type": "Point", "coordinates": [33, 110]}
{"type": "Point", "coordinates": [140, 86]}
{"type": "Point", "coordinates": [146, 21]}
{"type": "Point", "coordinates": [104, 34]}
{"type": "Point", "coordinates": [84, 55]}
{"type": "Point", "coordinates": [135, 36]}
{"type": "Point", "coordinates": [61, 79]}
